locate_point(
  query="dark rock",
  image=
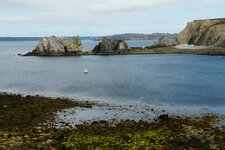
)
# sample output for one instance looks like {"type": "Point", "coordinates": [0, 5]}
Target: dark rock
{"type": "Point", "coordinates": [163, 117]}
{"type": "Point", "coordinates": [108, 45]}
{"type": "Point", "coordinates": [136, 48]}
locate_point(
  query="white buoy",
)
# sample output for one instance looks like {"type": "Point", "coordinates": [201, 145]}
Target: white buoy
{"type": "Point", "coordinates": [85, 71]}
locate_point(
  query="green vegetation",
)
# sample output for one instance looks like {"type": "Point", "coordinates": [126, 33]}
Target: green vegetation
{"type": "Point", "coordinates": [19, 117]}
{"type": "Point", "coordinates": [146, 140]}
{"type": "Point", "coordinates": [25, 113]}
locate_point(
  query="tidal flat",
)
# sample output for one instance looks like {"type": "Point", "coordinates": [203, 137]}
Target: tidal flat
{"type": "Point", "coordinates": [27, 122]}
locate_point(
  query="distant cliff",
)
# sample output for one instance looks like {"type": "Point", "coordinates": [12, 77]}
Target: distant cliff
{"type": "Point", "coordinates": [209, 32]}
{"type": "Point", "coordinates": [204, 32]}
{"type": "Point", "coordinates": [129, 36]}
{"type": "Point", "coordinates": [134, 36]}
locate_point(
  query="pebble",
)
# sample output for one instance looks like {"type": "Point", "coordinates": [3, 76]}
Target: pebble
{"type": "Point", "coordinates": [49, 141]}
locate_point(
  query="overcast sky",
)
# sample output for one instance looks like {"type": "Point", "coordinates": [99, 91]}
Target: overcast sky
{"type": "Point", "coordinates": [102, 17]}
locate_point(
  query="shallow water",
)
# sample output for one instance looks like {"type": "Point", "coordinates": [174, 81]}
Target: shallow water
{"type": "Point", "coordinates": [186, 82]}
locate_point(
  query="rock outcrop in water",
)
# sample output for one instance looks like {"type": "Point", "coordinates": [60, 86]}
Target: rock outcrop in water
{"type": "Point", "coordinates": [209, 32]}
{"type": "Point", "coordinates": [73, 44]}
{"type": "Point", "coordinates": [111, 46]}
{"type": "Point", "coordinates": [167, 40]}
{"type": "Point", "coordinates": [54, 46]}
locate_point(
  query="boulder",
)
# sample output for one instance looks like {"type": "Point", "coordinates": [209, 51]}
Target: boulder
{"type": "Point", "coordinates": [167, 40]}
{"type": "Point", "coordinates": [108, 45]}
{"type": "Point", "coordinates": [210, 32]}
{"type": "Point", "coordinates": [54, 46]}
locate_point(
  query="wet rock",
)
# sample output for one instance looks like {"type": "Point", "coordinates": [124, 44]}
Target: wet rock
{"type": "Point", "coordinates": [163, 117]}
{"type": "Point", "coordinates": [104, 123]}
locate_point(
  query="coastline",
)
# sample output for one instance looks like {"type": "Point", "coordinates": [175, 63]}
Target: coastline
{"type": "Point", "coordinates": [165, 50]}
{"type": "Point", "coordinates": [23, 126]}
{"type": "Point", "coordinates": [145, 51]}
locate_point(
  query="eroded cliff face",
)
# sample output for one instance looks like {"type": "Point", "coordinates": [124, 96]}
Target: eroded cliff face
{"type": "Point", "coordinates": [209, 32]}
{"type": "Point", "coordinates": [204, 32]}
{"type": "Point", "coordinates": [54, 46]}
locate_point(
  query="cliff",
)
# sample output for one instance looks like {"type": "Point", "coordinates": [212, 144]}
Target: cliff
{"type": "Point", "coordinates": [134, 36]}
{"type": "Point", "coordinates": [209, 32]}
{"type": "Point", "coordinates": [54, 46]}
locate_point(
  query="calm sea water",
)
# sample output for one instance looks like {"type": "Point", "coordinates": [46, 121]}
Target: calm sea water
{"type": "Point", "coordinates": [173, 80]}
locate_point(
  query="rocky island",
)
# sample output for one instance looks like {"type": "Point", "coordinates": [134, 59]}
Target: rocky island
{"type": "Point", "coordinates": [54, 46]}
{"type": "Point", "coordinates": [108, 46]}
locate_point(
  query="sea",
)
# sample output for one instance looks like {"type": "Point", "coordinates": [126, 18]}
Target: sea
{"type": "Point", "coordinates": [185, 83]}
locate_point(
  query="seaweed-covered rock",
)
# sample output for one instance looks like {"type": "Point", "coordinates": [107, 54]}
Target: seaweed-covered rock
{"type": "Point", "coordinates": [108, 45]}
{"type": "Point", "coordinates": [54, 46]}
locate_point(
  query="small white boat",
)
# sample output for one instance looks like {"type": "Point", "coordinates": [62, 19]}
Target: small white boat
{"type": "Point", "coordinates": [85, 71]}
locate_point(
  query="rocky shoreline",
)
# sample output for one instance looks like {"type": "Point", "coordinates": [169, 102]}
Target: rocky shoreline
{"type": "Point", "coordinates": [119, 47]}
{"type": "Point", "coordinates": [23, 126]}
{"type": "Point", "coordinates": [162, 50]}
{"type": "Point", "coordinates": [202, 33]}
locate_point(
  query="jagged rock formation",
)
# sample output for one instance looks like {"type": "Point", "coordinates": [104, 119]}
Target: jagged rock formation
{"type": "Point", "coordinates": [167, 40]}
{"type": "Point", "coordinates": [204, 32]}
{"type": "Point", "coordinates": [108, 45]}
{"type": "Point", "coordinates": [73, 44]}
{"type": "Point", "coordinates": [54, 46]}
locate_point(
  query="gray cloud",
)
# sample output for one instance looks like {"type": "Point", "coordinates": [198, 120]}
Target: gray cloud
{"type": "Point", "coordinates": [57, 13]}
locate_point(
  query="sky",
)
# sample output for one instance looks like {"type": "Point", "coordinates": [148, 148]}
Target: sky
{"type": "Point", "coordinates": [102, 17]}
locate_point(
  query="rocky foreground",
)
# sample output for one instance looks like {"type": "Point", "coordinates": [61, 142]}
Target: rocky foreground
{"type": "Point", "coordinates": [25, 123]}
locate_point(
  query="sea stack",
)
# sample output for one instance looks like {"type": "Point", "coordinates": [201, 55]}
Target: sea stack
{"type": "Point", "coordinates": [54, 46]}
{"type": "Point", "coordinates": [111, 46]}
